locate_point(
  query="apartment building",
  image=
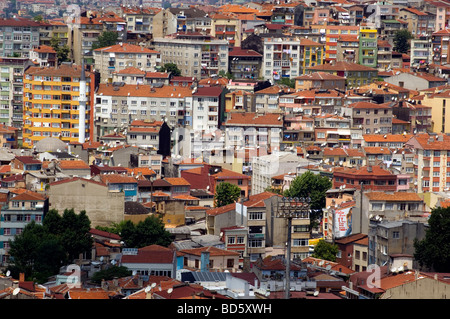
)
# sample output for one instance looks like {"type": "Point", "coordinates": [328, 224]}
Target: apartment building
{"type": "Point", "coordinates": [138, 19]}
{"type": "Point", "coordinates": [330, 35]}
{"type": "Point", "coordinates": [245, 64]}
{"type": "Point", "coordinates": [290, 57]}
{"type": "Point", "coordinates": [431, 162]}
{"type": "Point", "coordinates": [118, 57]}
{"type": "Point", "coordinates": [421, 52]}
{"type": "Point", "coordinates": [208, 105]}
{"type": "Point", "coordinates": [357, 75]}
{"type": "Point", "coordinates": [18, 36]}
{"type": "Point", "coordinates": [368, 46]}
{"type": "Point", "coordinates": [252, 130]}
{"type": "Point", "coordinates": [16, 214]}
{"type": "Point", "coordinates": [196, 55]}
{"type": "Point", "coordinates": [118, 105]}
{"type": "Point", "coordinates": [144, 133]}
{"type": "Point", "coordinates": [51, 103]}
{"type": "Point", "coordinates": [347, 48]}
{"type": "Point", "coordinates": [440, 41]}
{"type": "Point", "coordinates": [384, 55]}
{"type": "Point", "coordinates": [226, 27]}
{"type": "Point", "coordinates": [437, 102]}
{"type": "Point", "coordinates": [420, 22]}
{"type": "Point", "coordinates": [44, 55]}
{"type": "Point", "coordinates": [393, 238]}
{"type": "Point", "coordinates": [371, 117]}
{"type": "Point", "coordinates": [11, 95]}
{"type": "Point", "coordinates": [55, 29]}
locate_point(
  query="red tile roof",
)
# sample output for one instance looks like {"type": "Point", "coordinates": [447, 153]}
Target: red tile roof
{"type": "Point", "coordinates": [126, 48]}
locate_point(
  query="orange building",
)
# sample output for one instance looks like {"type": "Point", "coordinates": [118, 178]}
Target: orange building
{"type": "Point", "coordinates": [51, 106]}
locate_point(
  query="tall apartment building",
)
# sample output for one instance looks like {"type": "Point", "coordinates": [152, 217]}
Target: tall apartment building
{"type": "Point", "coordinates": [18, 36]}
{"type": "Point", "coordinates": [421, 52]}
{"type": "Point", "coordinates": [115, 58]}
{"type": "Point", "coordinates": [195, 54]}
{"type": "Point", "coordinates": [11, 94]}
{"type": "Point", "coordinates": [226, 27]}
{"type": "Point", "coordinates": [51, 103]}
{"type": "Point", "coordinates": [138, 19]}
{"type": "Point", "coordinates": [207, 108]}
{"type": "Point", "coordinates": [330, 35]}
{"type": "Point", "coordinates": [116, 106]}
{"type": "Point", "coordinates": [431, 162]}
{"type": "Point", "coordinates": [290, 57]}
{"type": "Point", "coordinates": [368, 46]}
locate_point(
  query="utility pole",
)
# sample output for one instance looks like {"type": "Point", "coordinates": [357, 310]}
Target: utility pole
{"type": "Point", "coordinates": [289, 208]}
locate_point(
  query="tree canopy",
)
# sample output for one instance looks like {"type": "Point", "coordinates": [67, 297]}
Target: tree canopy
{"type": "Point", "coordinates": [433, 251]}
{"type": "Point", "coordinates": [62, 51]}
{"type": "Point", "coordinates": [40, 250]}
{"type": "Point", "coordinates": [401, 41]}
{"type": "Point", "coordinates": [226, 193]}
{"type": "Point", "coordinates": [172, 68]}
{"type": "Point", "coordinates": [313, 186]}
{"type": "Point", "coordinates": [325, 250]}
{"type": "Point", "coordinates": [105, 39]}
{"type": "Point", "coordinates": [147, 232]}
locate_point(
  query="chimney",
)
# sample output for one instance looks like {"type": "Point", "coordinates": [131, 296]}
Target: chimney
{"type": "Point", "coordinates": [21, 277]}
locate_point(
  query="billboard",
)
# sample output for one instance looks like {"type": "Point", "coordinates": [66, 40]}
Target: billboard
{"type": "Point", "coordinates": [342, 223]}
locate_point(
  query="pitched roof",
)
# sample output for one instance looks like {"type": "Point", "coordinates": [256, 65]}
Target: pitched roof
{"type": "Point", "coordinates": [341, 66]}
{"type": "Point", "coordinates": [177, 181]}
{"type": "Point", "coordinates": [117, 179]}
{"type": "Point", "coordinates": [144, 90]}
{"type": "Point", "coordinates": [213, 251]}
{"type": "Point", "coordinates": [254, 119]}
{"type": "Point", "coordinates": [393, 197]}
{"type": "Point", "coordinates": [126, 48]}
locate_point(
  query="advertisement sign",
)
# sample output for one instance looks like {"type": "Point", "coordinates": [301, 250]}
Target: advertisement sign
{"type": "Point", "coordinates": [343, 222]}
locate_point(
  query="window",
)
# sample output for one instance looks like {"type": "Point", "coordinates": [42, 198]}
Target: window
{"type": "Point", "coordinates": [231, 240]}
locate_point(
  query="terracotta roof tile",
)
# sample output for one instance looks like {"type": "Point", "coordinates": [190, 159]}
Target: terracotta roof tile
{"type": "Point", "coordinates": [126, 48]}
{"type": "Point", "coordinates": [394, 197]}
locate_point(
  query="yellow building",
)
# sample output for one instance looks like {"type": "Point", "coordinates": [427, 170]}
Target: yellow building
{"type": "Point", "coordinates": [51, 104]}
{"type": "Point", "coordinates": [311, 54]}
{"type": "Point", "coordinates": [330, 35]}
{"type": "Point", "coordinates": [226, 27]}
{"type": "Point", "coordinates": [438, 102]}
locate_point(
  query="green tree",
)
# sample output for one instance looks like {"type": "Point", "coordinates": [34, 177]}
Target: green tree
{"type": "Point", "coordinates": [172, 68]}
{"type": "Point", "coordinates": [313, 186]}
{"type": "Point", "coordinates": [226, 193]}
{"type": "Point", "coordinates": [110, 273]}
{"type": "Point", "coordinates": [401, 41]}
{"type": "Point", "coordinates": [150, 231]}
{"type": "Point", "coordinates": [433, 251]}
{"type": "Point", "coordinates": [288, 82]}
{"type": "Point", "coordinates": [325, 250]}
{"type": "Point", "coordinates": [36, 253]}
{"type": "Point", "coordinates": [40, 250]}
{"type": "Point", "coordinates": [75, 236]}
{"type": "Point", "coordinates": [62, 51]}
{"type": "Point", "coordinates": [106, 39]}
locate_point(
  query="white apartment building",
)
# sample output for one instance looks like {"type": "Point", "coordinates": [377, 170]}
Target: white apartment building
{"type": "Point", "coordinates": [195, 55]}
{"type": "Point", "coordinates": [118, 57]}
{"type": "Point", "coordinates": [116, 106]}
{"type": "Point", "coordinates": [268, 166]}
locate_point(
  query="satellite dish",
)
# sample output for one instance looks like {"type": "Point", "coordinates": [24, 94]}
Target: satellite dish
{"type": "Point", "coordinates": [147, 289]}
{"type": "Point", "coordinates": [8, 273]}
{"type": "Point", "coordinates": [153, 285]}
{"type": "Point", "coordinates": [169, 291]}
{"type": "Point", "coordinates": [16, 291]}
{"type": "Point", "coordinates": [316, 293]}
